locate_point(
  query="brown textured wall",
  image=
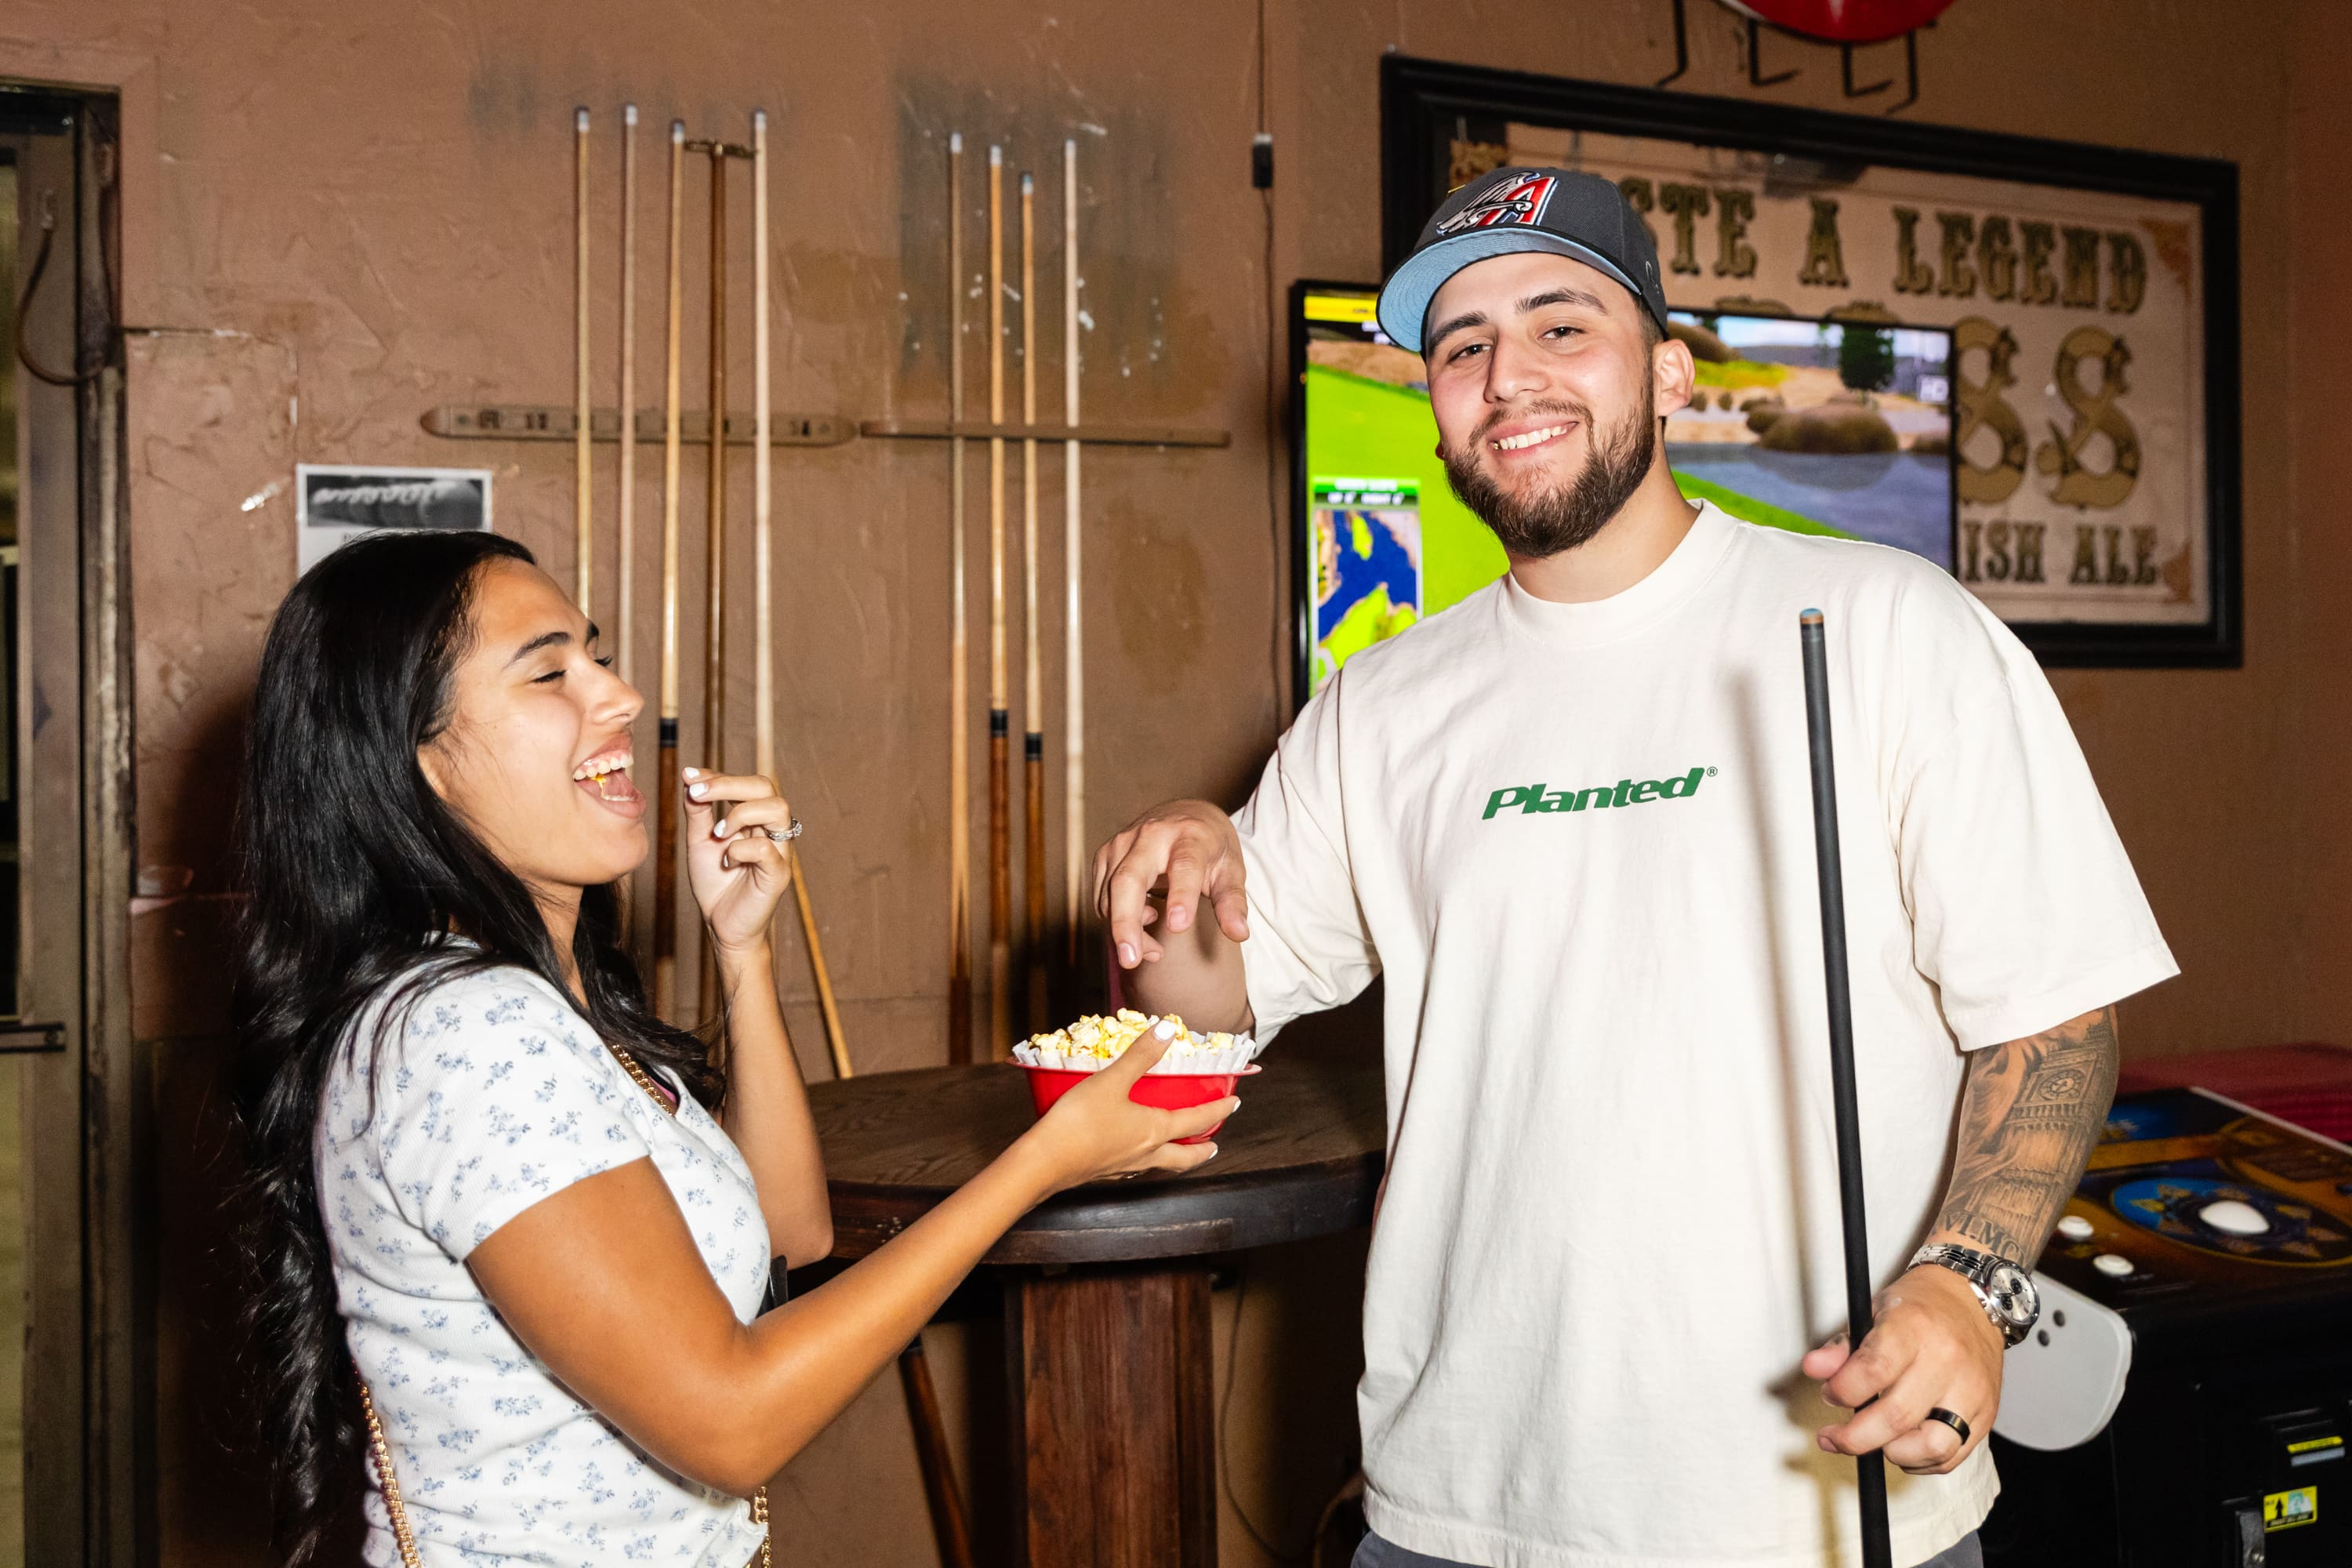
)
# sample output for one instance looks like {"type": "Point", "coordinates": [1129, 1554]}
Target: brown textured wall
{"type": "Point", "coordinates": [339, 216]}
{"type": "Point", "coordinates": [2318, 232]}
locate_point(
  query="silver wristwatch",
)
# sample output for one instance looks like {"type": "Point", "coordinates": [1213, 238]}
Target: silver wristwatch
{"type": "Point", "coordinates": [2006, 1290]}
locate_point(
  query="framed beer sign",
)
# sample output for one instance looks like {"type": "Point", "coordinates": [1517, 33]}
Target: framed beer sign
{"type": "Point", "coordinates": [2089, 297]}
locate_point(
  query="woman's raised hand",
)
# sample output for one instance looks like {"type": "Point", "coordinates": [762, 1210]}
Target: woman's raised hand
{"type": "Point", "coordinates": [739, 873]}
{"type": "Point", "coordinates": [1096, 1131]}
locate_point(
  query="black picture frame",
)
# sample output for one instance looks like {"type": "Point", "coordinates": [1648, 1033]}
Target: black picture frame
{"type": "Point", "coordinates": [1302, 504]}
{"type": "Point", "coordinates": [1423, 102]}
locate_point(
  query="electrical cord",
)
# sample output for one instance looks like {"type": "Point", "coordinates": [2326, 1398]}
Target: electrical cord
{"type": "Point", "coordinates": [1277, 663]}
{"type": "Point", "coordinates": [106, 190]}
{"type": "Point", "coordinates": [24, 303]}
{"type": "Point", "coordinates": [1224, 1405]}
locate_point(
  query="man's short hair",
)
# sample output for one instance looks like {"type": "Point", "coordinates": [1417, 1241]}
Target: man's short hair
{"type": "Point", "coordinates": [1652, 334]}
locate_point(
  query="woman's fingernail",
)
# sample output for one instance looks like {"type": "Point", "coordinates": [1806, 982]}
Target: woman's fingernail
{"type": "Point", "coordinates": [719, 828]}
{"type": "Point", "coordinates": [1127, 954]}
{"type": "Point", "coordinates": [698, 790]}
{"type": "Point", "coordinates": [1213, 1153]}
{"type": "Point", "coordinates": [1165, 1031]}
{"type": "Point", "coordinates": [692, 772]}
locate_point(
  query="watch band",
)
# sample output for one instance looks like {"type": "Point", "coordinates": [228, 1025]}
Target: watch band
{"type": "Point", "coordinates": [1965, 1261]}
{"type": "Point", "coordinates": [1975, 1267]}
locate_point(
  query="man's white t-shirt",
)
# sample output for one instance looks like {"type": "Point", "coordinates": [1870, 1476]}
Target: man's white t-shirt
{"type": "Point", "coordinates": [1577, 840]}
{"type": "Point", "coordinates": [493, 1095]}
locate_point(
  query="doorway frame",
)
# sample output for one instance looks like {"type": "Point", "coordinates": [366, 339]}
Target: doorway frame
{"type": "Point", "coordinates": [89, 1495]}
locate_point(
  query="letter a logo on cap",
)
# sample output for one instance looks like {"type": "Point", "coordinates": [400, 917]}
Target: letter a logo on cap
{"type": "Point", "coordinates": [1520, 200]}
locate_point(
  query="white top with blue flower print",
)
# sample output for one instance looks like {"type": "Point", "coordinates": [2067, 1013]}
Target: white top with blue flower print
{"type": "Point", "coordinates": [496, 1094]}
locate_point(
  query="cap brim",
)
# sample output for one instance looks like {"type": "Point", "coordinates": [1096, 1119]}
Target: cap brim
{"type": "Point", "coordinates": [1404, 308]}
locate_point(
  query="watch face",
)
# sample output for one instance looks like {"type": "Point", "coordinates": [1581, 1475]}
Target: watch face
{"type": "Point", "coordinates": [2010, 1290]}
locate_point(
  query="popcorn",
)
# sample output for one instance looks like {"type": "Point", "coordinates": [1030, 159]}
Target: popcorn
{"type": "Point", "coordinates": [1094, 1042]}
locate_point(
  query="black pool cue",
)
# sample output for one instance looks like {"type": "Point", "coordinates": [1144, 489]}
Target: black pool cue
{"type": "Point", "coordinates": [1870, 1469]}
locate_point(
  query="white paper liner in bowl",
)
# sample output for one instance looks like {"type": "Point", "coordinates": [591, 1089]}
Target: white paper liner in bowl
{"type": "Point", "coordinates": [1175, 1064]}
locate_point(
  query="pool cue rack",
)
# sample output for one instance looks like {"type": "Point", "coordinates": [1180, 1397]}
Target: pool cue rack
{"type": "Point", "coordinates": [547, 422]}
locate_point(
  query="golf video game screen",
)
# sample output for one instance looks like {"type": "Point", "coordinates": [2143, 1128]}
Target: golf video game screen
{"type": "Point", "coordinates": [1818, 427]}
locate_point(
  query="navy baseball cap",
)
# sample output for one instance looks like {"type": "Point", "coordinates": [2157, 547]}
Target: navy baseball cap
{"type": "Point", "coordinates": [1561, 211]}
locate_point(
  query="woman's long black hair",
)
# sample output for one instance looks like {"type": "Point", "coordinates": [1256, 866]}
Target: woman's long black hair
{"type": "Point", "coordinates": [353, 870]}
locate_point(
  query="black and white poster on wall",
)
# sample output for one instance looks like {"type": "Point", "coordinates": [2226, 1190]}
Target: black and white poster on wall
{"type": "Point", "coordinates": [336, 502]}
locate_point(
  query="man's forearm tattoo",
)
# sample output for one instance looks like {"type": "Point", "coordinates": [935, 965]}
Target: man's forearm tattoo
{"type": "Point", "coordinates": [2032, 1111]}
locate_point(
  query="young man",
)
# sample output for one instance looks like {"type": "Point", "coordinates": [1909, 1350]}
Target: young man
{"type": "Point", "coordinates": [1569, 822]}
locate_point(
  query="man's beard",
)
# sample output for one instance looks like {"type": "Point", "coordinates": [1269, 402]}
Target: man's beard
{"type": "Point", "coordinates": [1564, 516]}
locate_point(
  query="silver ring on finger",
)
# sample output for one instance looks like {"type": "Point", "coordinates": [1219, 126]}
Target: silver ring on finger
{"type": "Point", "coordinates": [785, 834]}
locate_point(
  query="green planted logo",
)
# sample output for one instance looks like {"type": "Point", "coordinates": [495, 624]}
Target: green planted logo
{"type": "Point", "coordinates": [1541, 799]}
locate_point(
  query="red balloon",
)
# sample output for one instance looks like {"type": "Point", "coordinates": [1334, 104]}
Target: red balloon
{"type": "Point", "coordinates": [1844, 21]}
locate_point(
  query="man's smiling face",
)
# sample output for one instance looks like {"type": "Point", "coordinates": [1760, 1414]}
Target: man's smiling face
{"type": "Point", "coordinates": [1547, 378]}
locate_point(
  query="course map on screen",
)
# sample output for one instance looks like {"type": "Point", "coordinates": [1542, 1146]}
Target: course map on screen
{"type": "Point", "coordinates": [1366, 563]}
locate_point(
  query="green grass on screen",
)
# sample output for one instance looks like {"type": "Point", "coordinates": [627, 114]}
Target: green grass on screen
{"type": "Point", "coordinates": [1365, 429]}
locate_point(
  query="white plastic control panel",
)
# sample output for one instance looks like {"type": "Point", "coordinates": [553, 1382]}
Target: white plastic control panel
{"type": "Point", "coordinates": [2061, 1385]}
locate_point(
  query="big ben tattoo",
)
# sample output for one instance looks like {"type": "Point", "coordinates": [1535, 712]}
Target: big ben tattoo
{"type": "Point", "coordinates": [2032, 1111]}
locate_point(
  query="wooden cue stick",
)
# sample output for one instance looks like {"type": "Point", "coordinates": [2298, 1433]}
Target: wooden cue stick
{"type": "Point", "coordinates": [948, 1531]}
{"type": "Point", "coordinates": [763, 717]}
{"type": "Point", "coordinates": [666, 781]}
{"type": "Point", "coordinates": [625, 611]}
{"type": "Point", "coordinates": [763, 731]}
{"type": "Point", "coordinates": [714, 673]}
{"type": "Point", "coordinates": [959, 677]}
{"type": "Point", "coordinates": [585, 540]}
{"type": "Point", "coordinates": [624, 608]}
{"type": "Point", "coordinates": [1074, 681]}
{"type": "Point", "coordinates": [835, 1039]}
{"type": "Point", "coordinates": [999, 828]}
{"type": "Point", "coordinates": [946, 1502]}
{"type": "Point", "coordinates": [1033, 693]}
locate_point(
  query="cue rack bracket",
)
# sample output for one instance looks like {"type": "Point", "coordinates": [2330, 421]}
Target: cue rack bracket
{"type": "Point", "coordinates": [545, 422]}
{"type": "Point", "coordinates": [1088, 435]}
{"type": "Point", "coordinates": [549, 422]}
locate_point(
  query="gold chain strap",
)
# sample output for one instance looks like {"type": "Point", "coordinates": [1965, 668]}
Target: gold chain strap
{"type": "Point", "coordinates": [380, 1452]}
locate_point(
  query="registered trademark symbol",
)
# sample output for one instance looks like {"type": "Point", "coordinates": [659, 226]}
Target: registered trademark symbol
{"type": "Point", "coordinates": [1710, 773]}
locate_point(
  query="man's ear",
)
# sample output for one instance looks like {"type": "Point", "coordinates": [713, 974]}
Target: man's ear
{"type": "Point", "coordinates": [1673, 374]}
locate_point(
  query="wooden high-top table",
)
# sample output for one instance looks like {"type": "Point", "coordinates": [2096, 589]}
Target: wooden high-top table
{"type": "Point", "coordinates": [1106, 1286]}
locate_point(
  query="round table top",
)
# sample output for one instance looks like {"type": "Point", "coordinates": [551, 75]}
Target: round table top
{"type": "Point", "coordinates": [1301, 1158]}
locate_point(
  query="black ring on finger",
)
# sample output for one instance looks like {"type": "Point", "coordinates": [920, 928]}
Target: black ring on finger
{"type": "Point", "coordinates": [1959, 1423]}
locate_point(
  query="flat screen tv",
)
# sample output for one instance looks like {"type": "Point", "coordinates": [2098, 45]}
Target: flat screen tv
{"type": "Point", "coordinates": [1823, 426]}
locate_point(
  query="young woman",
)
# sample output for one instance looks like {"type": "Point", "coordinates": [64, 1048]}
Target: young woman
{"type": "Point", "coordinates": [513, 1231]}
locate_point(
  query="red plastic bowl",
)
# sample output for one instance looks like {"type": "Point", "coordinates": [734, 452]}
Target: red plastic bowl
{"type": "Point", "coordinates": [1167, 1091]}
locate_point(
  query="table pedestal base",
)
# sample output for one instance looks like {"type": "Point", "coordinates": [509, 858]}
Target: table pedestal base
{"type": "Point", "coordinates": [1114, 1415]}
